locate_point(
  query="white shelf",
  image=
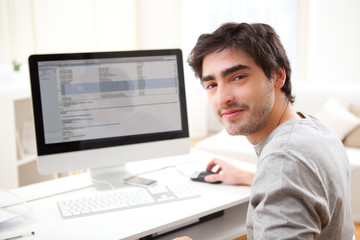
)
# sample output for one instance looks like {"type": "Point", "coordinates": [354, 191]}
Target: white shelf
{"type": "Point", "coordinates": [16, 168]}
{"type": "Point", "coordinates": [15, 91]}
{"type": "Point", "coordinates": [26, 159]}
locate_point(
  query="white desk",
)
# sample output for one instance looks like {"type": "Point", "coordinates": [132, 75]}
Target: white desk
{"type": "Point", "coordinates": [139, 222]}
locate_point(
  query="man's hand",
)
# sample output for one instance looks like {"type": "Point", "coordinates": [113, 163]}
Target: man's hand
{"type": "Point", "coordinates": [182, 238]}
{"type": "Point", "coordinates": [228, 173]}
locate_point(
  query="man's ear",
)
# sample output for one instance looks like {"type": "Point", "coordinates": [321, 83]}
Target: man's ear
{"type": "Point", "coordinates": [279, 78]}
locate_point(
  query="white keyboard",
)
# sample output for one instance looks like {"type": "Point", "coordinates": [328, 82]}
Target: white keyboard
{"type": "Point", "coordinates": [125, 198]}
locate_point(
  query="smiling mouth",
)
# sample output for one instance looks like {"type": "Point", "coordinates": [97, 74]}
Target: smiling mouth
{"type": "Point", "coordinates": [231, 114]}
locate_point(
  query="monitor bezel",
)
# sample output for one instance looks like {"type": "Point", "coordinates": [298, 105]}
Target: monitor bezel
{"type": "Point", "coordinates": [53, 148]}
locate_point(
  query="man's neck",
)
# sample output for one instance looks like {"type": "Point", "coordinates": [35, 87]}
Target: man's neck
{"type": "Point", "coordinates": [281, 113]}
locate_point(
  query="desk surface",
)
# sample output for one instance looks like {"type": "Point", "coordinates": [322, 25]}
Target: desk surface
{"type": "Point", "coordinates": [143, 221]}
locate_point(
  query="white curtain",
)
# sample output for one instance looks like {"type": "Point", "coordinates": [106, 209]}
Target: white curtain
{"type": "Point", "coordinates": [334, 41]}
{"type": "Point", "coordinates": [45, 26]}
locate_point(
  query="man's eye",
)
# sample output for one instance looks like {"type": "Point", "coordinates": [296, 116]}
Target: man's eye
{"type": "Point", "coordinates": [239, 77]}
{"type": "Point", "coordinates": [210, 86]}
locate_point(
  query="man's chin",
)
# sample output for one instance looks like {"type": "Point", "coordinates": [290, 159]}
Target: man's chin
{"type": "Point", "coordinates": [233, 132]}
{"type": "Point", "coordinates": [236, 130]}
{"type": "Point", "coordinates": [235, 127]}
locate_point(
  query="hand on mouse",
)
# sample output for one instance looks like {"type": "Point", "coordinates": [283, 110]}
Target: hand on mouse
{"type": "Point", "coordinates": [228, 173]}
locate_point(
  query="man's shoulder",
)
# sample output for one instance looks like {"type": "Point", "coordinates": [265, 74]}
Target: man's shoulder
{"type": "Point", "coordinates": [301, 134]}
{"type": "Point", "coordinates": [305, 140]}
{"type": "Point", "coordinates": [307, 145]}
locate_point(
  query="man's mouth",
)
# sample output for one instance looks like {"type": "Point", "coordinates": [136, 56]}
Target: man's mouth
{"type": "Point", "coordinates": [231, 114]}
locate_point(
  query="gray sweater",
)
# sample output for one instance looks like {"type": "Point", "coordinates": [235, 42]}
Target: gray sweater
{"type": "Point", "coordinates": [301, 189]}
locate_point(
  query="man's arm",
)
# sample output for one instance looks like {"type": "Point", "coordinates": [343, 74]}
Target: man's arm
{"type": "Point", "coordinates": [287, 201]}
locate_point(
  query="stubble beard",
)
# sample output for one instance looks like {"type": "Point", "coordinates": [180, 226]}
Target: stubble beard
{"type": "Point", "coordinates": [259, 115]}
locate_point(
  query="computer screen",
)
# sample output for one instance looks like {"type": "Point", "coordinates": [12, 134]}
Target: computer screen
{"type": "Point", "coordinates": [96, 110]}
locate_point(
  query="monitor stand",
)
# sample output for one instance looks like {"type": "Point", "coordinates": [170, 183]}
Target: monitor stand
{"type": "Point", "coordinates": [109, 178]}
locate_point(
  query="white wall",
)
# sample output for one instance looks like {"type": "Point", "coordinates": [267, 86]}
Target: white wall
{"type": "Point", "coordinates": [160, 24]}
{"type": "Point", "coordinates": [63, 26]}
{"type": "Point", "coordinates": [83, 25]}
{"type": "Point", "coordinates": [334, 41]}
{"type": "Point", "coordinates": [49, 26]}
{"type": "Point", "coordinates": [15, 30]}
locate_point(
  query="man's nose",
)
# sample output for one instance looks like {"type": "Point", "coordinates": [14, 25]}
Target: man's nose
{"type": "Point", "coordinates": [225, 95]}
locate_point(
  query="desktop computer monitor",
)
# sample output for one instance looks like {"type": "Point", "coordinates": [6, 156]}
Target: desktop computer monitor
{"type": "Point", "coordinates": [103, 109]}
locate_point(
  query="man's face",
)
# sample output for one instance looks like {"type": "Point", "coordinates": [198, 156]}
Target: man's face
{"type": "Point", "coordinates": [238, 90]}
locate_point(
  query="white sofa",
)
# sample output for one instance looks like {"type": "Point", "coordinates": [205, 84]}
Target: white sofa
{"type": "Point", "coordinates": [310, 98]}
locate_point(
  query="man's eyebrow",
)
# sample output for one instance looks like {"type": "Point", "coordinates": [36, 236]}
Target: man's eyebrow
{"type": "Point", "coordinates": [233, 69]}
{"type": "Point", "coordinates": [225, 72]}
{"type": "Point", "coordinates": [207, 78]}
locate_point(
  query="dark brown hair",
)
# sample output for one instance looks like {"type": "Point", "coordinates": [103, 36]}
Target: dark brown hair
{"type": "Point", "coordinates": [259, 41]}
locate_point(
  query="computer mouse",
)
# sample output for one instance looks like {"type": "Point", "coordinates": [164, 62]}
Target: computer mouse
{"type": "Point", "coordinates": [199, 176]}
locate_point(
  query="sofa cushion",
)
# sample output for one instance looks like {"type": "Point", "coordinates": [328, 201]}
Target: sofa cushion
{"type": "Point", "coordinates": [353, 138]}
{"type": "Point", "coordinates": [355, 109]}
{"type": "Point", "coordinates": [337, 117]}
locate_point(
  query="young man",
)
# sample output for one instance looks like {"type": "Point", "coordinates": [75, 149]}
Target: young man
{"type": "Point", "coordinates": [301, 188]}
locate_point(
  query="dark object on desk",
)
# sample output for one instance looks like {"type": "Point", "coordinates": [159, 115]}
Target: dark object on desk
{"type": "Point", "coordinates": [21, 236]}
{"type": "Point", "coordinates": [199, 176]}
